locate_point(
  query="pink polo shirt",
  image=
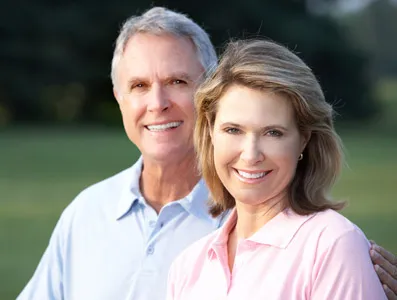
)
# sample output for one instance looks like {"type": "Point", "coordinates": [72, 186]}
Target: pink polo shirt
{"type": "Point", "coordinates": [319, 256]}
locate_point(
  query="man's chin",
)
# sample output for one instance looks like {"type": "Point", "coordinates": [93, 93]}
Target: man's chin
{"type": "Point", "coordinates": [165, 155]}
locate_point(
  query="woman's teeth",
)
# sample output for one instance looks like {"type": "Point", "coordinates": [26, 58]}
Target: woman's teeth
{"type": "Point", "coordinates": [251, 175]}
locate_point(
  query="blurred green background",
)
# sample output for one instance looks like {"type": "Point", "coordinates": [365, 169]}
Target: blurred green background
{"type": "Point", "coordinates": [60, 129]}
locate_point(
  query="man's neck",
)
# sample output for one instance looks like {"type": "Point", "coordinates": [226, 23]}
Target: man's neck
{"type": "Point", "coordinates": [162, 183]}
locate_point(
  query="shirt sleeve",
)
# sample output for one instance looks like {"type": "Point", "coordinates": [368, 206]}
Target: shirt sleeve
{"type": "Point", "coordinates": [46, 283]}
{"type": "Point", "coordinates": [171, 283]}
{"type": "Point", "coordinates": [345, 271]}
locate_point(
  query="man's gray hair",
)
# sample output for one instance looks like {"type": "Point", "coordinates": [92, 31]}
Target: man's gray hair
{"type": "Point", "coordinates": [159, 20]}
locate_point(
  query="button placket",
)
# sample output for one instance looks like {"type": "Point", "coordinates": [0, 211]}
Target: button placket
{"type": "Point", "coordinates": [150, 250]}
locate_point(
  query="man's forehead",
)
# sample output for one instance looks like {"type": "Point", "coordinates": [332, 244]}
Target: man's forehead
{"type": "Point", "coordinates": [141, 42]}
{"type": "Point", "coordinates": [150, 57]}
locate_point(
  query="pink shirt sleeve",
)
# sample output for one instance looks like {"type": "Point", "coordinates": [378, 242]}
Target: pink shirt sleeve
{"type": "Point", "coordinates": [170, 283]}
{"type": "Point", "coordinates": [343, 270]}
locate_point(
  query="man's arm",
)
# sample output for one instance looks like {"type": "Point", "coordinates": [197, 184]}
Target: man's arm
{"type": "Point", "coordinates": [386, 268]}
{"type": "Point", "coordinates": [46, 282]}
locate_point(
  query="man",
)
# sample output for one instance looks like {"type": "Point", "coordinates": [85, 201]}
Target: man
{"type": "Point", "coordinates": [117, 239]}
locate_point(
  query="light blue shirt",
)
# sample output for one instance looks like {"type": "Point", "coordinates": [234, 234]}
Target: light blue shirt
{"type": "Point", "coordinates": [110, 244]}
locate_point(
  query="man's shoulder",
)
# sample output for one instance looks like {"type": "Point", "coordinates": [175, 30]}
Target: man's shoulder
{"type": "Point", "coordinates": [111, 186]}
{"type": "Point", "coordinates": [101, 196]}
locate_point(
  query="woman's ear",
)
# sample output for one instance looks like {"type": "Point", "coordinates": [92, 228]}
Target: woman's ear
{"type": "Point", "coordinates": [305, 138]}
{"type": "Point", "coordinates": [211, 130]}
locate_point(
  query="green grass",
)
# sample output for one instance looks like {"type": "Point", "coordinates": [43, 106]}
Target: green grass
{"type": "Point", "coordinates": [42, 170]}
{"type": "Point", "coordinates": [369, 184]}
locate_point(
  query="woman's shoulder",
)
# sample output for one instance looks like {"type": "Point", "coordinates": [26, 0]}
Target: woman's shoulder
{"type": "Point", "coordinates": [330, 226]}
{"type": "Point", "coordinates": [334, 222]}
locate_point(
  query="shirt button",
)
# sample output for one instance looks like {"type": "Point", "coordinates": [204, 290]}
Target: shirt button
{"type": "Point", "coordinates": [150, 250]}
{"type": "Point", "coordinates": [152, 223]}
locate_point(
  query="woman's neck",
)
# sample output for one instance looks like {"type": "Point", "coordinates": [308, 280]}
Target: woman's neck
{"type": "Point", "coordinates": [252, 218]}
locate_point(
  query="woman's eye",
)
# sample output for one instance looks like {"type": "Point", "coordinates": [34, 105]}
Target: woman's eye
{"type": "Point", "coordinates": [275, 133]}
{"type": "Point", "coordinates": [232, 130]}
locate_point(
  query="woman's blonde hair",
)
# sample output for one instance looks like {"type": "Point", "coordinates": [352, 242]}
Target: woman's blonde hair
{"type": "Point", "coordinates": [267, 66]}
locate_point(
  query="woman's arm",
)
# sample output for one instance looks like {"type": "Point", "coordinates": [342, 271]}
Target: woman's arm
{"type": "Point", "coordinates": [343, 270]}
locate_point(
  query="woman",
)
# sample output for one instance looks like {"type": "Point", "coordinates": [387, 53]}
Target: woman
{"type": "Point", "coordinates": [268, 151]}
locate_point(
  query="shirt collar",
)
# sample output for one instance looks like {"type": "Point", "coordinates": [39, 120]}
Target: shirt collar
{"type": "Point", "coordinates": [222, 235]}
{"type": "Point", "coordinates": [195, 203]}
{"type": "Point", "coordinates": [278, 232]}
{"type": "Point", "coordinates": [131, 193]}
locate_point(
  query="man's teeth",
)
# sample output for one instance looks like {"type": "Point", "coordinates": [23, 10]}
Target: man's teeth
{"type": "Point", "coordinates": [251, 175]}
{"type": "Point", "coordinates": [163, 126]}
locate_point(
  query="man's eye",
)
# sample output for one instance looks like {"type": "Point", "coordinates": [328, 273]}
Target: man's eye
{"type": "Point", "coordinates": [137, 86]}
{"type": "Point", "coordinates": [232, 130]}
{"type": "Point", "coordinates": [178, 81]}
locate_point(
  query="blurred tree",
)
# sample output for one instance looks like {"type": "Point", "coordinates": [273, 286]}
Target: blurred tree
{"type": "Point", "coordinates": [375, 30]}
{"type": "Point", "coordinates": [56, 54]}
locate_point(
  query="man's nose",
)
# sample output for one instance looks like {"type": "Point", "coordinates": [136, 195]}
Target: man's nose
{"type": "Point", "coordinates": [158, 99]}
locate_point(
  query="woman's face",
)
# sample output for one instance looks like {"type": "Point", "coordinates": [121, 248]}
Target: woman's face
{"type": "Point", "coordinates": [256, 145]}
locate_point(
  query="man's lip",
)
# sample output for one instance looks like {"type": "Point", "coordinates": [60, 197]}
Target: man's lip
{"type": "Point", "coordinates": [163, 123]}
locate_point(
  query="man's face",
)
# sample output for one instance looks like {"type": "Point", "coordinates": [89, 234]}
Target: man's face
{"type": "Point", "coordinates": [155, 84]}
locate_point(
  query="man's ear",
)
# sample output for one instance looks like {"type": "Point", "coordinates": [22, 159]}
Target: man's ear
{"type": "Point", "coordinates": [117, 95]}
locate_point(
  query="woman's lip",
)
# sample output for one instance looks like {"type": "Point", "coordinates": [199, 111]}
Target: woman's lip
{"type": "Point", "coordinates": [251, 180]}
{"type": "Point", "coordinates": [252, 171]}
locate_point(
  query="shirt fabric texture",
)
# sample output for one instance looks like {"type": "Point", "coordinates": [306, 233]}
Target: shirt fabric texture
{"type": "Point", "coordinates": [318, 256]}
{"type": "Point", "coordinates": [110, 244]}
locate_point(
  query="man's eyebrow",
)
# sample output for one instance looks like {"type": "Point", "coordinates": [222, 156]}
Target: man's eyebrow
{"type": "Point", "coordinates": [175, 75]}
{"type": "Point", "coordinates": [179, 75]}
{"type": "Point", "coordinates": [136, 79]}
